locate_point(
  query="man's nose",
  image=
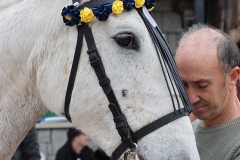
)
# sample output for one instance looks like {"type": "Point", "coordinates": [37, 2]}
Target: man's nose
{"type": "Point", "coordinates": [193, 95]}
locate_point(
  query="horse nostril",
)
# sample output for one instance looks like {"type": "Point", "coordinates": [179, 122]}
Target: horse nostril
{"type": "Point", "coordinates": [124, 93]}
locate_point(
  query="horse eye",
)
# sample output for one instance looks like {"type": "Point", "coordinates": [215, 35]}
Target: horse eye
{"type": "Point", "coordinates": [126, 40]}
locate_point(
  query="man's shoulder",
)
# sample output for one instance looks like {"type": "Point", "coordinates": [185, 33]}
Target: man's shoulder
{"type": "Point", "coordinates": [88, 153]}
{"type": "Point", "coordinates": [65, 148]}
{"type": "Point", "coordinates": [218, 142]}
{"type": "Point", "coordinates": [87, 150]}
{"type": "Point", "coordinates": [234, 153]}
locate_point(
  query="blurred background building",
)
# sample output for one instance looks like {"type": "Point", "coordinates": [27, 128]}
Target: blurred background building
{"type": "Point", "coordinates": [175, 16]}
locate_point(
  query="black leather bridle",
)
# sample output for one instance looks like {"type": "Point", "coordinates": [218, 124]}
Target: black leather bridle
{"type": "Point", "coordinates": [128, 137]}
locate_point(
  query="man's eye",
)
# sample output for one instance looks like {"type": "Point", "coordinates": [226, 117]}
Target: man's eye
{"type": "Point", "coordinates": [203, 86]}
{"type": "Point", "coordinates": [184, 84]}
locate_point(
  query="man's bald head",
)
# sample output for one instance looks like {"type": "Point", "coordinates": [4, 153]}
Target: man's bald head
{"type": "Point", "coordinates": [208, 37]}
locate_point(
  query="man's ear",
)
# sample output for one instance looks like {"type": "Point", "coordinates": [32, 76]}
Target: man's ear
{"type": "Point", "coordinates": [234, 75]}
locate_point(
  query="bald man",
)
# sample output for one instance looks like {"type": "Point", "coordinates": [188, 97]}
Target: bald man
{"type": "Point", "coordinates": [207, 61]}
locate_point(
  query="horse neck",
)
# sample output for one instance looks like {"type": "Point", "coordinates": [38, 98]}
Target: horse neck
{"type": "Point", "coordinates": [23, 51]}
{"type": "Point", "coordinates": [19, 112]}
{"type": "Point", "coordinates": [20, 106]}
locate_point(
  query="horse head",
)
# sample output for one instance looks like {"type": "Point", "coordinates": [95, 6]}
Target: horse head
{"type": "Point", "coordinates": [38, 57]}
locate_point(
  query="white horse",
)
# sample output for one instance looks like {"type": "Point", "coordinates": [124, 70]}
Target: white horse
{"type": "Point", "coordinates": [37, 51]}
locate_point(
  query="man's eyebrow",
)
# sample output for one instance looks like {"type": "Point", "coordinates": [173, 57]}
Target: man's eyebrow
{"type": "Point", "coordinates": [201, 81]}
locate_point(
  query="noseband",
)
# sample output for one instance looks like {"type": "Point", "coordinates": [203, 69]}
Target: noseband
{"type": "Point", "coordinates": [128, 137]}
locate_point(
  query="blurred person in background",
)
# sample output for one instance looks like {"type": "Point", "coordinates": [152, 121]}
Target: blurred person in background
{"type": "Point", "coordinates": [76, 147]}
{"type": "Point", "coordinates": [28, 148]}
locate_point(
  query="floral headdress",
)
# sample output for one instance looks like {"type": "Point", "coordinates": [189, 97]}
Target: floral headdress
{"type": "Point", "coordinates": [73, 16]}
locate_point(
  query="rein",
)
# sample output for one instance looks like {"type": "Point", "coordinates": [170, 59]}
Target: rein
{"type": "Point", "coordinates": [128, 137]}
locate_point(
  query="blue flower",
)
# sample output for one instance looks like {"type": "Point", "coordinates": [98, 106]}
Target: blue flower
{"type": "Point", "coordinates": [102, 12]}
{"type": "Point", "coordinates": [150, 3]}
{"type": "Point", "coordinates": [70, 15]}
{"type": "Point", "coordinates": [128, 4]}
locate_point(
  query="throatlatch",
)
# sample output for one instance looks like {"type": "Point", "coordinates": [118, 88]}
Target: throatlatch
{"type": "Point", "coordinates": [128, 137]}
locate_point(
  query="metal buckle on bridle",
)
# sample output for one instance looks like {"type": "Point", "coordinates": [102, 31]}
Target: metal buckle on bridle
{"type": "Point", "coordinates": [132, 153]}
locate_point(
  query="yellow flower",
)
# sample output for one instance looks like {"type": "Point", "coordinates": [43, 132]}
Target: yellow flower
{"type": "Point", "coordinates": [139, 3]}
{"type": "Point", "coordinates": [68, 18]}
{"type": "Point", "coordinates": [150, 9]}
{"type": "Point", "coordinates": [86, 15]}
{"type": "Point", "coordinates": [117, 7]}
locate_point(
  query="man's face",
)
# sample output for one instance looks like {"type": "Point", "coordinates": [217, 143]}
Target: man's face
{"type": "Point", "coordinates": [206, 86]}
{"type": "Point", "coordinates": [82, 140]}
